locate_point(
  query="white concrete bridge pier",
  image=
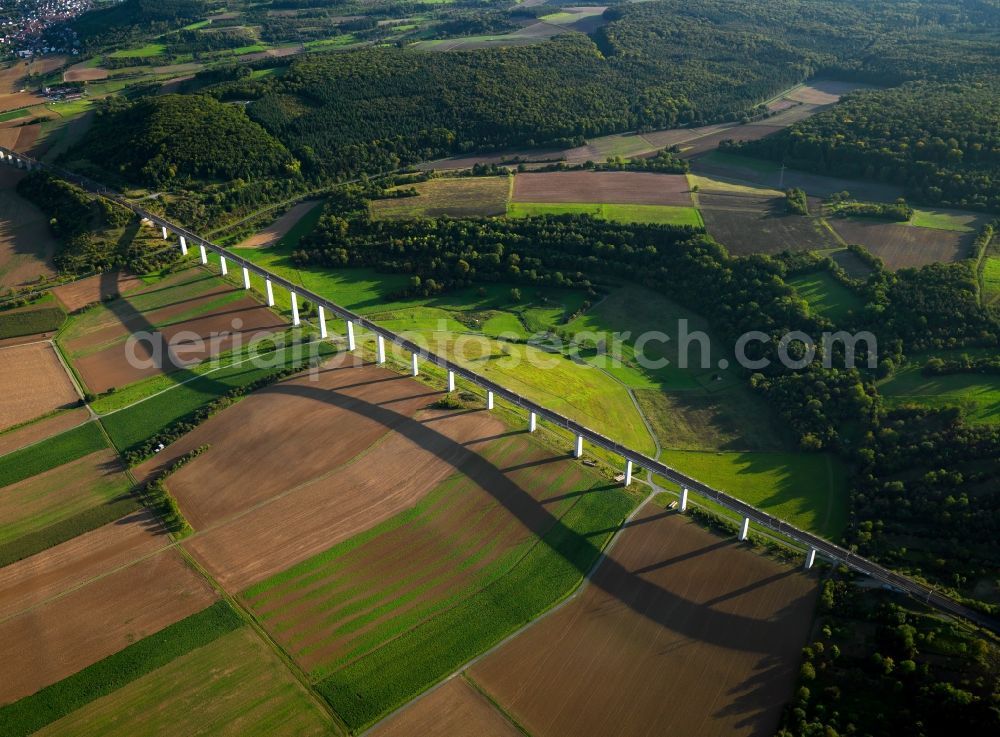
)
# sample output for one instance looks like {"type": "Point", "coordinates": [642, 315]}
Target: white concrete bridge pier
{"type": "Point", "coordinates": [489, 400]}
{"type": "Point", "coordinates": [295, 309]}
{"type": "Point", "coordinates": [414, 367]}
{"type": "Point", "coordinates": [246, 278]}
{"type": "Point", "coordinates": [745, 529]}
{"type": "Point", "coordinates": [322, 321]}
{"type": "Point", "coordinates": [380, 350]}
{"type": "Point", "coordinates": [164, 231]}
{"type": "Point", "coordinates": [223, 266]}
{"type": "Point", "coordinates": [204, 254]}
{"type": "Point", "coordinates": [270, 292]}
{"type": "Point", "coordinates": [810, 558]}
{"type": "Point", "coordinates": [532, 422]}
{"type": "Point", "coordinates": [628, 472]}
{"type": "Point", "coordinates": [351, 345]}
{"type": "Point", "coordinates": [578, 450]}
{"type": "Point", "coordinates": [184, 246]}
{"type": "Point", "coordinates": [451, 381]}
{"type": "Point", "coordinates": [684, 499]}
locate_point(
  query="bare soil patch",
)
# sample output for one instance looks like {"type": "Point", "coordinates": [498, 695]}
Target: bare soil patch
{"type": "Point", "coordinates": [274, 53]}
{"type": "Point", "coordinates": [455, 709]}
{"type": "Point", "coordinates": [745, 231]}
{"type": "Point", "coordinates": [34, 581]}
{"type": "Point", "coordinates": [32, 382]}
{"type": "Point", "coordinates": [26, 244]}
{"type": "Point", "coordinates": [58, 638]}
{"type": "Point", "coordinates": [280, 227]}
{"type": "Point", "coordinates": [903, 246]}
{"type": "Point", "coordinates": [452, 196]}
{"type": "Point", "coordinates": [680, 632]}
{"type": "Point", "coordinates": [824, 91]}
{"type": "Point", "coordinates": [606, 187]}
{"type": "Point", "coordinates": [38, 431]}
{"type": "Point", "coordinates": [82, 292]}
{"type": "Point", "coordinates": [82, 73]}
{"type": "Point", "coordinates": [850, 262]}
{"type": "Point", "coordinates": [751, 132]}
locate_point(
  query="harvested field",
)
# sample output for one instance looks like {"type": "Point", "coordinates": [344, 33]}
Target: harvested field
{"type": "Point", "coordinates": [746, 232]}
{"type": "Point", "coordinates": [903, 246]}
{"type": "Point", "coordinates": [55, 496]}
{"type": "Point", "coordinates": [53, 640]}
{"type": "Point", "coordinates": [42, 429]}
{"type": "Point", "coordinates": [280, 227]}
{"type": "Point", "coordinates": [273, 53]}
{"type": "Point", "coordinates": [189, 305]}
{"type": "Point", "coordinates": [35, 581]}
{"type": "Point", "coordinates": [33, 382]}
{"type": "Point", "coordinates": [16, 100]}
{"type": "Point", "coordinates": [605, 187]}
{"type": "Point", "coordinates": [851, 263]}
{"type": "Point", "coordinates": [20, 137]}
{"type": "Point", "coordinates": [750, 132]}
{"type": "Point", "coordinates": [338, 504]}
{"type": "Point", "coordinates": [681, 136]}
{"type": "Point", "coordinates": [83, 73]}
{"type": "Point", "coordinates": [26, 244]}
{"type": "Point", "coordinates": [456, 197]}
{"type": "Point", "coordinates": [823, 91]}
{"type": "Point", "coordinates": [78, 294]}
{"type": "Point", "coordinates": [679, 632]}
{"type": "Point", "coordinates": [235, 685]}
{"type": "Point", "coordinates": [455, 709]}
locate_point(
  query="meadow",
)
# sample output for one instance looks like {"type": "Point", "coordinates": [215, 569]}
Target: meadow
{"type": "Point", "coordinates": [826, 296]}
{"type": "Point", "coordinates": [991, 280]}
{"type": "Point", "coordinates": [977, 395]}
{"type": "Point", "coordinates": [658, 214]}
{"type": "Point", "coordinates": [452, 196]}
{"type": "Point", "coordinates": [30, 321]}
{"type": "Point", "coordinates": [955, 220]}
{"type": "Point", "coordinates": [807, 490]}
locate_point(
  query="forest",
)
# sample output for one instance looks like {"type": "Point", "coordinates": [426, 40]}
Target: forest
{"type": "Point", "coordinates": [941, 142]}
{"type": "Point", "coordinates": [175, 138]}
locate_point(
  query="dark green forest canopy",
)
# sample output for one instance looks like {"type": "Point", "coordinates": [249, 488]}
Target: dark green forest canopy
{"type": "Point", "coordinates": [176, 137]}
{"type": "Point", "coordinates": [134, 19]}
{"type": "Point", "coordinates": [940, 141]}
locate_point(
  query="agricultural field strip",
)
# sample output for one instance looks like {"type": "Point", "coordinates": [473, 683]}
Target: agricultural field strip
{"type": "Point", "coordinates": [206, 530]}
{"type": "Point", "coordinates": [474, 551]}
{"type": "Point", "coordinates": [585, 583]}
{"type": "Point", "coordinates": [823, 546]}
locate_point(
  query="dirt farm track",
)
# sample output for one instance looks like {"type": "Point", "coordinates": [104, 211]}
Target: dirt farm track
{"type": "Point", "coordinates": [679, 633]}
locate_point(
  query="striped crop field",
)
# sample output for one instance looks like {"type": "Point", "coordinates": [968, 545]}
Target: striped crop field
{"type": "Point", "coordinates": [378, 618]}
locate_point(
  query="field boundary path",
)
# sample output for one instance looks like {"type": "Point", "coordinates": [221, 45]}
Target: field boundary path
{"type": "Point", "coordinates": [811, 542]}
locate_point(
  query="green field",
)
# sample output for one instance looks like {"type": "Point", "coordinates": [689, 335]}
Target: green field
{"type": "Point", "coordinates": [808, 490]}
{"type": "Point", "coordinates": [977, 395]}
{"type": "Point", "coordinates": [30, 320]}
{"type": "Point", "coordinates": [659, 214]}
{"type": "Point", "coordinates": [132, 426]}
{"type": "Point", "coordinates": [13, 115]}
{"type": "Point", "coordinates": [65, 502]}
{"type": "Point", "coordinates": [961, 222]}
{"type": "Point", "coordinates": [234, 685]}
{"type": "Point", "coordinates": [64, 448]}
{"type": "Point", "coordinates": [106, 676]}
{"type": "Point", "coordinates": [826, 295]}
{"type": "Point", "coordinates": [991, 280]}
{"type": "Point", "coordinates": [417, 640]}
{"type": "Point", "coordinates": [150, 49]}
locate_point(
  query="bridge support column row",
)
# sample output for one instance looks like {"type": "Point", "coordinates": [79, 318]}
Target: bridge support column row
{"type": "Point", "coordinates": [745, 529]}
{"type": "Point", "coordinates": [246, 278]}
{"type": "Point", "coordinates": [295, 310]}
{"type": "Point", "coordinates": [578, 450]}
{"type": "Point", "coordinates": [628, 472]}
{"type": "Point", "coordinates": [451, 380]}
{"type": "Point", "coordinates": [810, 558]}
{"type": "Point", "coordinates": [270, 292]}
{"type": "Point", "coordinates": [414, 368]}
{"type": "Point", "coordinates": [489, 400]}
{"type": "Point", "coordinates": [184, 246]}
{"type": "Point", "coordinates": [379, 350]}
{"type": "Point", "coordinates": [350, 336]}
{"type": "Point", "coordinates": [204, 254]}
{"type": "Point", "coordinates": [322, 321]}
{"type": "Point", "coordinates": [684, 499]}
{"type": "Point", "coordinates": [532, 422]}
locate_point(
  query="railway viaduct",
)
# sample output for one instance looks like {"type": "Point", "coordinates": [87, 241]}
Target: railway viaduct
{"type": "Point", "coordinates": [812, 545]}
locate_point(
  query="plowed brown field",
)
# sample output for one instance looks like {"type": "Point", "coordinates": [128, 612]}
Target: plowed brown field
{"type": "Point", "coordinates": [83, 292]}
{"type": "Point", "coordinates": [32, 383]}
{"type": "Point", "coordinates": [455, 709]}
{"type": "Point", "coordinates": [92, 609]}
{"type": "Point", "coordinates": [679, 633]}
{"type": "Point", "coordinates": [903, 246]}
{"type": "Point", "coordinates": [280, 227]}
{"type": "Point", "coordinates": [606, 187]}
{"type": "Point", "coordinates": [26, 244]}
